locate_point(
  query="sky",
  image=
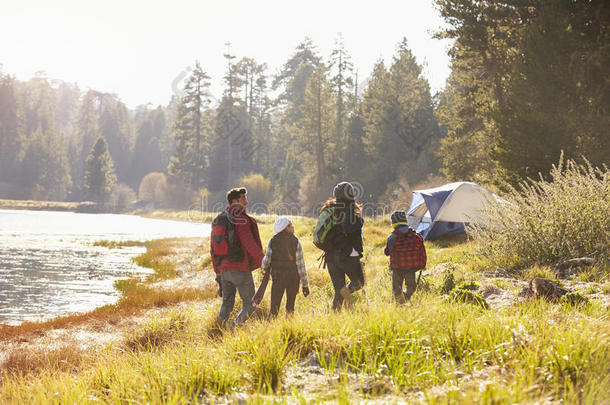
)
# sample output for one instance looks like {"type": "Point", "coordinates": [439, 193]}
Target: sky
{"type": "Point", "coordinates": [137, 49]}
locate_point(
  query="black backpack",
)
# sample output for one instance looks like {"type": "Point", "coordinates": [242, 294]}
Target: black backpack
{"type": "Point", "coordinates": [224, 241]}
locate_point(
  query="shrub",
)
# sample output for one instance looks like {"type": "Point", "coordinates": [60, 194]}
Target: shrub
{"type": "Point", "coordinates": [574, 299]}
{"type": "Point", "coordinates": [149, 184]}
{"type": "Point", "coordinates": [121, 195]}
{"type": "Point", "coordinates": [259, 189]}
{"type": "Point", "coordinates": [448, 283]}
{"type": "Point", "coordinates": [468, 297]}
{"type": "Point", "coordinates": [468, 285]}
{"type": "Point", "coordinates": [544, 222]}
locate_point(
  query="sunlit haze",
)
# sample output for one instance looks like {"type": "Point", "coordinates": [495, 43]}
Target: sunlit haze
{"type": "Point", "coordinates": [137, 48]}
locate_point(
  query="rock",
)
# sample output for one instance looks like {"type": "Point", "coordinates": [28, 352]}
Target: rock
{"type": "Point", "coordinates": [240, 399]}
{"type": "Point", "coordinates": [564, 269]}
{"type": "Point", "coordinates": [520, 338]}
{"type": "Point", "coordinates": [499, 272]}
{"type": "Point", "coordinates": [313, 360]}
{"type": "Point", "coordinates": [376, 388]}
{"type": "Point", "coordinates": [488, 290]}
{"type": "Point", "coordinates": [545, 288]}
{"type": "Point", "coordinates": [526, 292]}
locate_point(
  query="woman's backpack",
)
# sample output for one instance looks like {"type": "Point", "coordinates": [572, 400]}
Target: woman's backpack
{"type": "Point", "coordinates": [326, 221]}
{"type": "Point", "coordinates": [225, 243]}
{"type": "Point", "coordinates": [408, 251]}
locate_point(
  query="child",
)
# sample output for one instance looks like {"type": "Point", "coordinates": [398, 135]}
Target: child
{"type": "Point", "coordinates": [284, 258]}
{"type": "Point", "coordinates": [407, 255]}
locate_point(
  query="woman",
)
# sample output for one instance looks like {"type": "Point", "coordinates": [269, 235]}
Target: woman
{"type": "Point", "coordinates": [345, 241]}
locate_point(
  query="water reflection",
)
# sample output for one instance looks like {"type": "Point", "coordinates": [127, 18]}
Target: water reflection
{"type": "Point", "coordinates": [48, 266]}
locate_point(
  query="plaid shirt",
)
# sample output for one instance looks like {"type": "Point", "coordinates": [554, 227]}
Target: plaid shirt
{"type": "Point", "coordinates": [406, 250]}
{"type": "Point", "coordinates": [301, 269]}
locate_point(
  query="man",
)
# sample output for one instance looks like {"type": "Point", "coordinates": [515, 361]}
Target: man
{"type": "Point", "coordinates": [235, 270]}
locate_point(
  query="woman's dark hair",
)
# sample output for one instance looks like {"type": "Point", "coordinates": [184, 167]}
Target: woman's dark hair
{"type": "Point", "coordinates": [235, 194]}
{"type": "Point", "coordinates": [333, 201]}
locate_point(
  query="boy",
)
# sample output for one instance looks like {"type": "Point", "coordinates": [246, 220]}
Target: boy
{"type": "Point", "coordinates": [407, 255]}
{"type": "Point", "coordinates": [284, 258]}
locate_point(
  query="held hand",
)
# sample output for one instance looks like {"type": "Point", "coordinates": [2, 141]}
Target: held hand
{"type": "Point", "coordinates": [219, 292]}
{"type": "Point", "coordinates": [305, 291]}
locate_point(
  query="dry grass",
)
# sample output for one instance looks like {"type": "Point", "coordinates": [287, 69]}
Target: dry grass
{"type": "Point", "coordinates": [545, 222]}
{"type": "Point", "coordinates": [34, 360]}
{"type": "Point", "coordinates": [157, 334]}
{"type": "Point", "coordinates": [44, 205]}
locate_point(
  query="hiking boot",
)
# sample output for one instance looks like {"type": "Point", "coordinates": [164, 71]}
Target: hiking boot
{"type": "Point", "coordinates": [347, 297]}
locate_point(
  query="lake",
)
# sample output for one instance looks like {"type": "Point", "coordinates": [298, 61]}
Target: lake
{"type": "Point", "coordinates": [49, 266]}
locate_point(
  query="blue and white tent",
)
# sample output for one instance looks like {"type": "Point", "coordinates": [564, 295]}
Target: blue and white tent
{"type": "Point", "coordinates": [447, 209]}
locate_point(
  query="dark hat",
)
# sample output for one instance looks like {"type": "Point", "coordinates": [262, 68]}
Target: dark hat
{"type": "Point", "coordinates": [399, 218]}
{"type": "Point", "coordinates": [344, 191]}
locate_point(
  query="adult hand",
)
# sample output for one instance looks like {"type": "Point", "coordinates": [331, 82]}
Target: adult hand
{"type": "Point", "coordinates": [219, 292]}
{"type": "Point", "coordinates": [305, 291]}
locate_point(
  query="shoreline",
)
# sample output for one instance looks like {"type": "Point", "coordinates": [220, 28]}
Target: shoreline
{"type": "Point", "coordinates": [179, 277]}
{"type": "Point", "coordinates": [35, 205]}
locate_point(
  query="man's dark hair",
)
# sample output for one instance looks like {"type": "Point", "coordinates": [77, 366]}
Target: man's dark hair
{"type": "Point", "coordinates": [235, 193]}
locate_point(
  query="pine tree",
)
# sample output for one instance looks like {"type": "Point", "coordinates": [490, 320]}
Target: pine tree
{"type": "Point", "coordinates": [191, 130]}
{"type": "Point", "coordinates": [342, 68]}
{"type": "Point", "coordinates": [401, 130]}
{"type": "Point", "coordinates": [292, 81]}
{"type": "Point", "coordinates": [540, 86]}
{"type": "Point", "coordinates": [11, 130]}
{"type": "Point", "coordinates": [45, 171]}
{"type": "Point", "coordinates": [557, 99]}
{"type": "Point", "coordinates": [80, 144]}
{"type": "Point", "coordinates": [147, 153]}
{"type": "Point", "coordinates": [99, 177]}
{"type": "Point", "coordinates": [115, 126]}
{"type": "Point", "coordinates": [317, 125]}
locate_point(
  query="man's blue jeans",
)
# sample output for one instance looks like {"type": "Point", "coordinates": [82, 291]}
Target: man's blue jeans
{"type": "Point", "coordinates": [232, 281]}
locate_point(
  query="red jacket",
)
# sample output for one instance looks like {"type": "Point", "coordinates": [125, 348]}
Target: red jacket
{"type": "Point", "coordinates": [250, 240]}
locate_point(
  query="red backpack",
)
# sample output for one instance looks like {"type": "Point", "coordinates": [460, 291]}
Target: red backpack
{"type": "Point", "coordinates": [224, 241]}
{"type": "Point", "coordinates": [408, 251]}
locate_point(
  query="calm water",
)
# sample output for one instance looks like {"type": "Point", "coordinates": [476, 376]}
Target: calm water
{"type": "Point", "coordinates": [48, 266]}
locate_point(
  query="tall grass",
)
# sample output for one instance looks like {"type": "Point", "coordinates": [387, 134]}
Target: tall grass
{"type": "Point", "coordinates": [546, 221]}
{"type": "Point", "coordinates": [434, 349]}
{"type": "Point", "coordinates": [534, 350]}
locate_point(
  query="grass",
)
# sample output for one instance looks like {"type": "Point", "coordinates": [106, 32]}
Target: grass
{"type": "Point", "coordinates": [35, 360]}
{"type": "Point", "coordinates": [159, 257]}
{"type": "Point", "coordinates": [549, 221]}
{"type": "Point", "coordinates": [441, 350]}
{"type": "Point", "coordinates": [113, 244]}
{"type": "Point", "coordinates": [43, 205]}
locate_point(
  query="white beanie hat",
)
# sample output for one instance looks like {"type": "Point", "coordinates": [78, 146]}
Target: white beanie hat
{"type": "Point", "coordinates": [280, 224]}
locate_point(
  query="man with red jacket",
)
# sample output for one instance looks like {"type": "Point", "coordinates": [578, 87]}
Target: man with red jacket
{"type": "Point", "coordinates": [237, 275]}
